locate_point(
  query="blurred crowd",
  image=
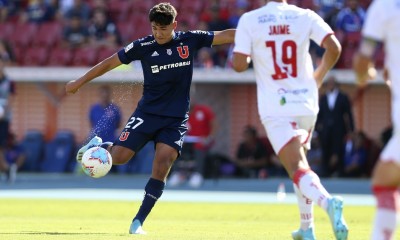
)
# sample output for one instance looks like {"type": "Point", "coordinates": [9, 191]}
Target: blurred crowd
{"type": "Point", "coordinates": [79, 32]}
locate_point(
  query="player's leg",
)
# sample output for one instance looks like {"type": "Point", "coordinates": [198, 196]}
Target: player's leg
{"type": "Point", "coordinates": [288, 138]}
{"type": "Point", "coordinates": [306, 217]}
{"type": "Point", "coordinates": [169, 140]}
{"type": "Point", "coordinates": [120, 155]}
{"type": "Point", "coordinates": [310, 186]}
{"type": "Point", "coordinates": [385, 183]}
{"type": "Point", "coordinates": [282, 135]}
{"type": "Point", "coordinates": [163, 159]}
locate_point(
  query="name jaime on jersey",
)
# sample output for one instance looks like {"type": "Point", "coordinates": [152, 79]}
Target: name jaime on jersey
{"type": "Point", "coordinates": [279, 30]}
{"type": "Point", "coordinates": [157, 69]}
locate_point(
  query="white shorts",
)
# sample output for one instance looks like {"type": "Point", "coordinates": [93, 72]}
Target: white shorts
{"type": "Point", "coordinates": [280, 130]}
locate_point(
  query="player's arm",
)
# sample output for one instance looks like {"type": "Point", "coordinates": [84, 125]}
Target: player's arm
{"type": "Point", "coordinates": [329, 58]}
{"type": "Point", "coordinates": [363, 64]}
{"type": "Point", "coordinates": [223, 37]}
{"type": "Point", "coordinates": [240, 62]}
{"type": "Point", "coordinates": [96, 71]}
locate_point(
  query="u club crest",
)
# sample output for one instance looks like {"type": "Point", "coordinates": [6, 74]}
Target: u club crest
{"type": "Point", "coordinates": [183, 52]}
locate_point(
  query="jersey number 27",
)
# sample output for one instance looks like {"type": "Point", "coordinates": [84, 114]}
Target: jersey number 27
{"type": "Point", "coordinates": [289, 58]}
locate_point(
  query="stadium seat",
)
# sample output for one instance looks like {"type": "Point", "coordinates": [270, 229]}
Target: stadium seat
{"type": "Point", "coordinates": [104, 53]}
{"type": "Point", "coordinates": [33, 144]}
{"type": "Point", "coordinates": [48, 34]}
{"type": "Point", "coordinates": [191, 19]}
{"type": "Point", "coordinates": [6, 29]}
{"type": "Point", "coordinates": [352, 39]}
{"type": "Point", "coordinates": [59, 57]}
{"type": "Point", "coordinates": [307, 4]}
{"type": "Point", "coordinates": [176, 4]}
{"type": "Point", "coordinates": [140, 6]}
{"type": "Point", "coordinates": [191, 6]}
{"type": "Point", "coordinates": [345, 60]}
{"type": "Point", "coordinates": [125, 30]}
{"type": "Point", "coordinates": [119, 9]}
{"type": "Point", "coordinates": [23, 34]}
{"type": "Point", "coordinates": [59, 153]}
{"type": "Point", "coordinates": [140, 33]}
{"type": "Point", "coordinates": [36, 56]}
{"type": "Point", "coordinates": [84, 57]}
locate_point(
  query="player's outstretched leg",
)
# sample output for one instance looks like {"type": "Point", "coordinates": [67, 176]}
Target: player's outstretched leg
{"type": "Point", "coordinates": [309, 184]}
{"type": "Point", "coordinates": [335, 212]}
{"type": "Point", "coordinates": [95, 141]}
{"type": "Point", "coordinates": [304, 234]}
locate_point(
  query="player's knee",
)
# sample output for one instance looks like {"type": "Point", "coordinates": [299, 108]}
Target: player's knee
{"type": "Point", "coordinates": [386, 174]}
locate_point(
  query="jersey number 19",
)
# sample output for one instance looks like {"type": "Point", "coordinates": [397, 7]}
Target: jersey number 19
{"type": "Point", "coordinates": [289, 58]}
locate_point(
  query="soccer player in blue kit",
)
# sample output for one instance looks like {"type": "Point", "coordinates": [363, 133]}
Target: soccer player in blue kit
{"type": "Point", "coordinates": [162, 112]}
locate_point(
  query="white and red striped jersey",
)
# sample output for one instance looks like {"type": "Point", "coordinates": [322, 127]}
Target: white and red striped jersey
{"type": "Point", "coordinates": [277, 38]}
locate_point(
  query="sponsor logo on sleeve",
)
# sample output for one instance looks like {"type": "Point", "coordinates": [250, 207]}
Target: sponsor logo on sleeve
{"type": "Point", "coordinates": [129, 47]}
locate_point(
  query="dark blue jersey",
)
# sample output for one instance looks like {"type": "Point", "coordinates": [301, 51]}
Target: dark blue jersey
{"type": "Point", "coordinates": [167, 70]}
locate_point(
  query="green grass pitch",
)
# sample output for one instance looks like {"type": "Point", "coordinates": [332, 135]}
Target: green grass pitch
{"type": "Point", "coordinates": [30, 219]}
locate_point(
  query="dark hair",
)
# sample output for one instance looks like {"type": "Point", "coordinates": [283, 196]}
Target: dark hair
{"type": "Point", "coordinates": [162, 14]}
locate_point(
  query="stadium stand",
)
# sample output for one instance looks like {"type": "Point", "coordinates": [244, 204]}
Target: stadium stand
{"type": "Point", "coordinates": [59, 153]}
{"type": "Point", "coordinates": [59, 57]}
{"type": "Point", "coordinates": [23, 34]}
{"type": "Point", "coordinates": [131, 19]}
{"type": "Point", "coordinates": [104, 53]}
{"type": "Point", "coordinates": [33, 145]}
{"type": "Point", "coordinates": [6, 29]}
{"type": "Point", "coordinates": [119, 10]}
{"type": "Point", "coordinates": [48, 35]}
{"type": "Point", "coordinates": [36, 56]}
{"type": "Point", "coordinates": [84, 56]}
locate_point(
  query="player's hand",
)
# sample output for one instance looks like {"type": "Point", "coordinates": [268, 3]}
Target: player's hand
{"type": "Point", "coordinates": [72, 86]}
{"type": "Point", "coordinates": [363, 79]}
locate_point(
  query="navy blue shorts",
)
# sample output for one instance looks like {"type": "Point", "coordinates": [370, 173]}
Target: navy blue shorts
{"type": "Point", "coordinates": [144, 127]}
{"type": "Point", "coordinates": [4, 128]}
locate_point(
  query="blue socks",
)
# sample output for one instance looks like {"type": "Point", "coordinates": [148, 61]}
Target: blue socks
{"type": "Point", "coordinates": [153, 191]}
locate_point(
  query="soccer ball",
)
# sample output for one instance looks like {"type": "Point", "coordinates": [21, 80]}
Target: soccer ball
{"type": "Point", "coordinates": [96, 162]}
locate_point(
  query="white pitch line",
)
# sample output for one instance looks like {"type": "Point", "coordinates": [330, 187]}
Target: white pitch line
{"type": "Point", "coordinates": [172, 196]}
